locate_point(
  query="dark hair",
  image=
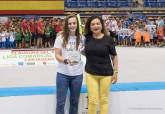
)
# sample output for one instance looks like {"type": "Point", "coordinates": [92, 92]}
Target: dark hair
{"type": "Point", "coordinates": [88, 31]}
{"type": "Point", "coordinates": [65, 32]}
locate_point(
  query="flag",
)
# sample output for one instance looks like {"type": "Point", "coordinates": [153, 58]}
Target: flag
{"type": "Point", "coordinates": [31, 6]}
{"type": "Point", "coordinates": [80, 24]}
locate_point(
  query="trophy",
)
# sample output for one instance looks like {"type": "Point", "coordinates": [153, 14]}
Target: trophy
{"type": "Point", "coordinates": [74, 57]}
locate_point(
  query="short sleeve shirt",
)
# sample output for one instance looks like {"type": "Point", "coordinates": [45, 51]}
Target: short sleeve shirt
{"type": "Point", "coordinates": [98, 55]}
{"type": "Point", "coordinates": [71, 70]}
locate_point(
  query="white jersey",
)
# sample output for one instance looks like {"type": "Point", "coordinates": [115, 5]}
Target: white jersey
{"type": "Point", "coordinates": [70, 70]}
{"type": "Point", "coordinates": [12, 38]}
{"type": "Point", "coordinates": [3, 36]}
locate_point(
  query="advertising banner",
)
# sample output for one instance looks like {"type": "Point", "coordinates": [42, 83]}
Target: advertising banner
{"type": "Point", "coordinates": [26, 57]}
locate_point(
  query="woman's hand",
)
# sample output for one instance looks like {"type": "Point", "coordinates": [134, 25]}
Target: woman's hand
{"type": "Point", "coordinates": [72, 62]}
{"type": "Point", "coordinates": [114, 77]}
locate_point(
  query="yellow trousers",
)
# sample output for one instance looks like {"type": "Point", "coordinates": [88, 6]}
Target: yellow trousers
{"type": "Point", "coordinates": [98, 92]}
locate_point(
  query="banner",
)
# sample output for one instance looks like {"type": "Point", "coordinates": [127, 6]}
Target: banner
{"type": "Point", "coordinates": [27, 57]}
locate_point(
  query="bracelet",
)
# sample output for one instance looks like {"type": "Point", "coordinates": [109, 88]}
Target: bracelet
{"type": "Point", "coordinates": [115, 71]}
{"type": "Point", "coordinates": [65, 61]}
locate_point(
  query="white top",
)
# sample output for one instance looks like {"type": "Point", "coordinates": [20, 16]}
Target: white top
{"type": "Point", "coordinates": [12, 38]}
{"type": "Point", "coordinates": [0, 37]}
{"type": "Point", "coordinates": [3, 35]}
{"type": "Point", "coordinates": [113, 25]}
{"type": "Point", "coordinates": [67, 69]}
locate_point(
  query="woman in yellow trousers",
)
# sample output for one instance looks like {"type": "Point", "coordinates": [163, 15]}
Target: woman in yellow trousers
{"type": "Point", "coordinates": [101, 64]}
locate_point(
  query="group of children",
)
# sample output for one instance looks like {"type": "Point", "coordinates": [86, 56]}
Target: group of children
{"type": "Point", "coordinates": [7, 38]}
{"type": "Point", "coordinates": [126, 32]}
{"type": "Point", "coordinates": [29, 33]}
{"type": "Point", "coordinates": [13, 38]}
{"type": "Point", "coordinates": [146, 37]}
{"type": "Point", "coordinates": [134, 31]}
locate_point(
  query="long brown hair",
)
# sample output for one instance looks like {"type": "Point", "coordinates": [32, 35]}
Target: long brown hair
{"type": "Point", "coordinates": [65, 32]}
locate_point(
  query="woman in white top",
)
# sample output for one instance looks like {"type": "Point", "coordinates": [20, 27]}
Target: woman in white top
{"type": "Point", "coordinates": [3, 37]}
{"type": "Point", "coordinates": [69, 68]}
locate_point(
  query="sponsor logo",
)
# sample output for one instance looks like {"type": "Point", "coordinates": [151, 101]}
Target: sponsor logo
{"type": "Point", "coordinates": [30, 63]}
{"type": "Point", "coordinates": [20, 63]}
{"type": "Point", "coordinates": [44, 63]}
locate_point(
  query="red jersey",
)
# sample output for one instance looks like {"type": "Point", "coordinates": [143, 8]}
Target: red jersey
{"type": "Point", "coordinates": [24, 25]}
{"type": "Point", "coordinates": [40, 27]}
{"type": "Point", "coordinates": [32, 27]}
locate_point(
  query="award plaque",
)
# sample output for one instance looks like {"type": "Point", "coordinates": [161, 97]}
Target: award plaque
{"type": "Point", "coordinates": [74, 56]}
